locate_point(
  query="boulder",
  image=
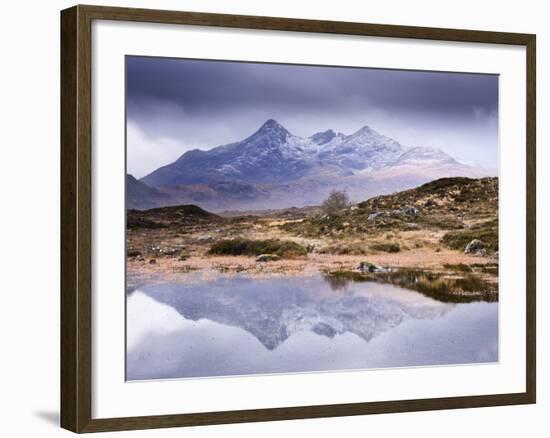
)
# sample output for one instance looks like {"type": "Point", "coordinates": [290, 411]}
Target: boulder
{"type": "Point", "coordinates": [367, 267]}
{"type": "Point", "coordinates": [168, 251]}
{"type": "Point", "coordinates": [267, 258]}
{"type": "Point", "coordinates": [476, 246]}
{"type": "Point", "coordinates": [412, 211]}
{"type": "Point", "coordinates": [376, 215]}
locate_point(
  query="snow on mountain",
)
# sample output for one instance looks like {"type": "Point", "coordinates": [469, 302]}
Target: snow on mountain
{"type": "Point", "coordinates": [272, 168]}
{"type": "Point", "coordinates": [272, 155]}
{"type": "Point", "coordinates": [324, 137]}
{"type": "Point", "coordinates": [269, 155]}
{"type": "Point", "coordinates": [423, 156]}
{"type": "Point", "coordinates": [366, 149]}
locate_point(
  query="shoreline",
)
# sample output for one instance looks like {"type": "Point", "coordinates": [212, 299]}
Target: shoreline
{"type": "Point", "coordinates": [442, 264]}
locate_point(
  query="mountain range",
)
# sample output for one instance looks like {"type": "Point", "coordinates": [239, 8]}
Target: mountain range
{"type": "Point", "coordinates": [273, 168]}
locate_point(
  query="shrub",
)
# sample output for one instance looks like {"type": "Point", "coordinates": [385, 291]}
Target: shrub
{"type": "Point", "coordinates": [282, 248]}
{"type": "Point", "coordinates": [358, 248]}
{"type": "Point", "coordinates": [444, 222]}
{"type": "Point", "coordinates": [386, 247]}
{"type": "Point", "coordinates": [335, 203]}
{"type": "Point", "coordinates": [460, 267]}
{"type": "Point", "coordinates": [459, 239]}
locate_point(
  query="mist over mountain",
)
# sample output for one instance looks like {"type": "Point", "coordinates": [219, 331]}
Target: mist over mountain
{"type": "Point", "coordinates": [273, 168]}
{"type": "Point", "coordinates": [140, 196]}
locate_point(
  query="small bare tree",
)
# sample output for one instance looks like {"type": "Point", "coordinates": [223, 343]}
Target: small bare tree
{"type": "Point", "coordinates": [335, 203]}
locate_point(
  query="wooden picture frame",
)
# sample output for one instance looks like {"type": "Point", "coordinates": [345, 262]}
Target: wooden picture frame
{"type": "Point", "coordinates": [76, 217]}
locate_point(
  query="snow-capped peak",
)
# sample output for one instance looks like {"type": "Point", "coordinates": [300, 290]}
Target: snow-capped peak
{"type": "Point", "coordinates": [365, 130]}
{"type": "Point", "coordinates": [321, 138]}
{"type": "Point", "coordinates": [368, 136]}
{"type": "Point", "coordinates": [272, 128]}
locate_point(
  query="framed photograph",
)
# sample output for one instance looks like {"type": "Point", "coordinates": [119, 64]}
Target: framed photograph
{"type": "Point", "coordinates": [270, 218]}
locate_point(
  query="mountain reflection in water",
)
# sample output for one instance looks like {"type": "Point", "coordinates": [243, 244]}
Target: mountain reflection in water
{"type": "Point", "coordinates": [235, 325]}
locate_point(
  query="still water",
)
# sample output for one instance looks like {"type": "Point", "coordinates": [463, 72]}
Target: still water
{"type": "Point", "coordinates": [235, 325]}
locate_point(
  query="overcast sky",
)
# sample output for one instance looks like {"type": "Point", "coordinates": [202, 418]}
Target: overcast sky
{"type": "Point", "coordinates": [174, 105]}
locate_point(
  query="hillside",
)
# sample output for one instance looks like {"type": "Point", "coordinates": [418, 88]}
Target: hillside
{"type": "Point", "coordinates": [179, 216]}
{"type": "Point", "coordinates": [450, 195]}
{"type": "Point", "coordinates": [466, 208]}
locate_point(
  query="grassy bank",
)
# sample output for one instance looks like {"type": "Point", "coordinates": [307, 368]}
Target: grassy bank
{"type": "Point", "coordinates": [432, 284]}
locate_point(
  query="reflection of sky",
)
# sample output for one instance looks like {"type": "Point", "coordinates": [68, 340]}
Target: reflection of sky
{"type": "Point", "coordinates": [174, 105]}
{"type": "Point", "coordinates": [162, 343]}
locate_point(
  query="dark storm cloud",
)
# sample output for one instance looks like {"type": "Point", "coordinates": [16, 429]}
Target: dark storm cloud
{"type": "Point", "coordinates": [215, 87]}
{"type": "Point", "coordinates": [174, 105]}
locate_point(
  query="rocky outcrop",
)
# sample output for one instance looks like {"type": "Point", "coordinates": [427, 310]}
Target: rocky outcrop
{"type": "Point", "coordinates": [476, 246]}
{"type": "Point", "coordinates": [405, 211]}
